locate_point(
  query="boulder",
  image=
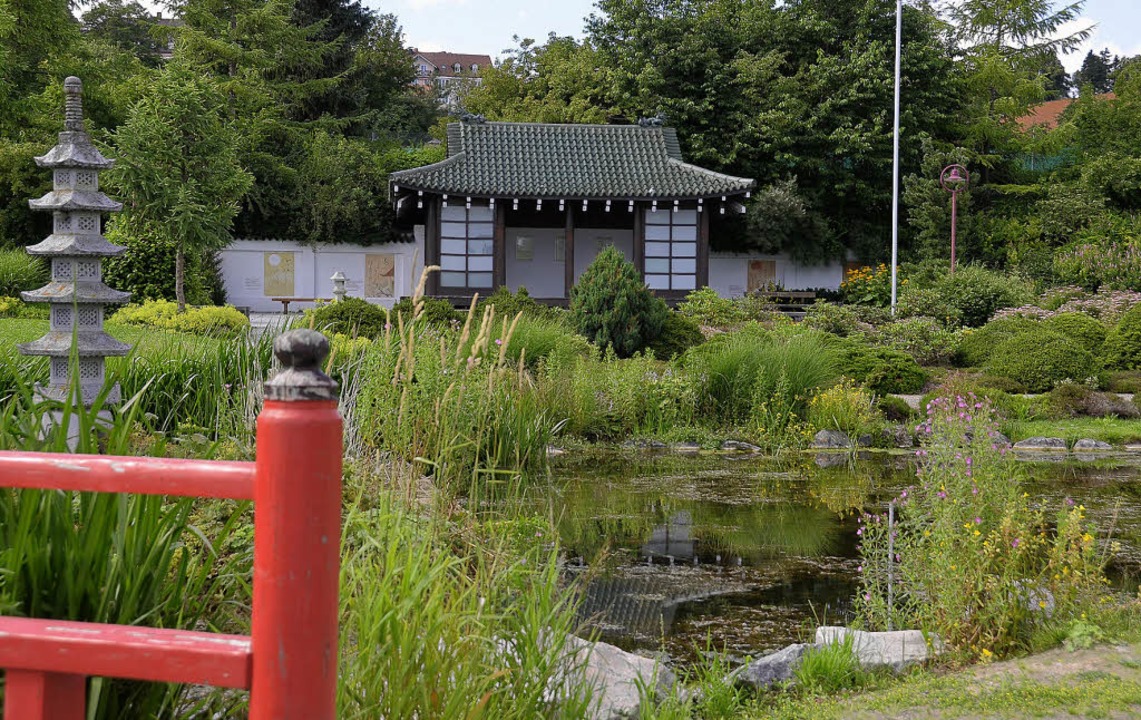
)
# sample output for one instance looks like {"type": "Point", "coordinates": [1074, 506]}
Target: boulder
{"type": "Point", "coordinates": [831, 440]}
{"type": "Point", "coordinates": [1088, 444]}
{"type": "Point", "coordinates": [774, 668]}
{"type": "Point", "coordinates": [1040, 443]}
{"type": "Point", "coordinates": [739, 446]}
{"type": "Point", "coordinates": [894, 649]}
{"type": "Point", "coordinates": [614, 676]}
{"type": "Point", "coordinates": [686, 448]}
{"type": "Point", "coordinates": [898, 436]}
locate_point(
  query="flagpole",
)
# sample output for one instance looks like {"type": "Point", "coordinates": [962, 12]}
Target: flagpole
{"type": "Point", "coordinates": [895, 162]}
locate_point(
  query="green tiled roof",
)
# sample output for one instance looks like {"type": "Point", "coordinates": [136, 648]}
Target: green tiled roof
{"type": "Point", "coordinates": [566, 161]}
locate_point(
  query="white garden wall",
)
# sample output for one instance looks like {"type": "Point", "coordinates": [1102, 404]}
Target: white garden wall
{"type": "Point", "coordinates": [729, 273]}
{"type": "Point", "coordinates": [256, 271]}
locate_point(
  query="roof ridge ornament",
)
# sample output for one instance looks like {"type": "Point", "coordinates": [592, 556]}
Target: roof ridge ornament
{"type": "Point", "coordinates": [471, 119]}
{"type": "Point", "coordinates": [658, 120]}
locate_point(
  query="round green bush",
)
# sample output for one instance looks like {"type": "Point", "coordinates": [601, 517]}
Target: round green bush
{"type": "Point", "coordinates": [612, 307]}
{"type": "Point", "coordinates": [435, 311]}
{"type": "Point", "coordinates": [842, 320]}
{"type": "Point", "coordinates": [882, 370]}
{"type": "Point", "coordinates": [679, 333]}
{"type": "Point", "coordinates": [977, 293]}
{"type": "Point", "coordinates": [1084, 329]}
{"type": "Point", "coordinates": [1041, 359]}
{"type": "Point", "coordinates": [1122, 348]}
{"type": "Point", "coordinates": [976, 346]}
{"type": "Point", "coordinates": [894, 409]}
{"type": "Point", "coordinates": [351, 316]}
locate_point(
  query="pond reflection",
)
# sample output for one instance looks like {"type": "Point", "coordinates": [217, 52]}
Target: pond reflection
{"type": "Point", "coordinates": [749, 555]}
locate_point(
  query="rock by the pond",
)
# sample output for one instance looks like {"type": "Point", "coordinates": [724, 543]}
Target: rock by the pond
{"type": "Point", "coordinates": [686, 448]}
{"type": "Point", "coordinates": [898, 436]}
{"type": "Point", "coordinates": [614, 677]}
{"type": "Point", "coordinates": [1089, 444]}
{"type": "Point", "coordinates": [739, 446]}
{"type": "Point", "coordinates": [775, 668]}
{"type": "Point", "coordinates": [1000, 439]}
{"type": "Point", "coordinates": [895, 649]}
{"type": "Point", "coordinates": [831, 440]}
{"type": "Point", "coordinates": [1040, 443]}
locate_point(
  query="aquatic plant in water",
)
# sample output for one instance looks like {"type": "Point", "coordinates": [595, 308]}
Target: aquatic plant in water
{"type": "Point", "coordinates": [970, 556]}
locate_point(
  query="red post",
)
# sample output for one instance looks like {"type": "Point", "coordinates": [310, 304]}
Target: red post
{"type": "Point", "coordinates": [34, 695]}
{"type": "Point", "coordinates": [954, 223]}
{"type": "Point", "coordinates": [297, 523]}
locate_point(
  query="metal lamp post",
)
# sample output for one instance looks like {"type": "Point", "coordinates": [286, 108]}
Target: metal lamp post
{"type": "Point", "coordinates": [954, 180]}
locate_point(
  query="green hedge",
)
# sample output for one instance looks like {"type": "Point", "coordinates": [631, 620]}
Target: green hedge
{"type": "Point", "coordinates": [164, 314]}
{"type": "Point", "coordinates": [1040, 359]}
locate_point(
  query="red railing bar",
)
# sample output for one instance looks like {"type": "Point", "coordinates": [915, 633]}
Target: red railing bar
{"type": "Point", "coordinates": [137, 653]}
{"type": "Point", "coordinates": [124, 474]}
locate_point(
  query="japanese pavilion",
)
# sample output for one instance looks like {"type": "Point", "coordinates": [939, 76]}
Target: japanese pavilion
{"type": "Point", "coordinates": [531, 205]}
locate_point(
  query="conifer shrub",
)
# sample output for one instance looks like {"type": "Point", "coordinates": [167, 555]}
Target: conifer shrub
{"type": "Point", "coordinates": [612, 307]}
{"type": "Point", "coordinates": [679, 333]}
{"type": "Point", "coordinates": [1088, 332]}
{"type": "Point", "coordinates": [842, 320]}
{"type": "Point", "coordinates": [880, 369]}
{"type": "Point", "coordinates": [1040, 359]}
{"type": "Point", "coordinates": [351, 316]}
{"type": "Point", "coordinates": [976, 346]}
{"type": "Point", "coordinates": [1122, 349]}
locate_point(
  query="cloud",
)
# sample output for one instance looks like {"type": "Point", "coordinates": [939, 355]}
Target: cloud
{"type": "Point", "coordinates": [1095, 42]}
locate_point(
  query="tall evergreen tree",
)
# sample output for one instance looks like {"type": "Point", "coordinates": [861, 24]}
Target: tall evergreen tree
{"type": "Point", "coordinates": [1097, 72]}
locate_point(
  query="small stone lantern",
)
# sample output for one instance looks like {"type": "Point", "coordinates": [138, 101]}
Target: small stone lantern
{"type": "Point", "coordinates": [339, 286]}
{"type": "Point", "coordinates": [76, 293]}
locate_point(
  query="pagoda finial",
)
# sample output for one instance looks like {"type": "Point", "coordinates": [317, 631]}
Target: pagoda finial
{"type": "Point", "coordinates": [73, 105]}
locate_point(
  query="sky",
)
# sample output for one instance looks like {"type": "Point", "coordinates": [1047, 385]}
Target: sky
{"type": "Point", "coordinates": [486, 27]}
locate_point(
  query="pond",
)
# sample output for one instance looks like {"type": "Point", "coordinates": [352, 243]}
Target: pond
{"type": "Point", "coordinates": [744, 555]}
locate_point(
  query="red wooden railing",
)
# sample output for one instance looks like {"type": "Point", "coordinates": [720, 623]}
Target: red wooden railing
{"type": "Point", "coordinates": [289, 661]}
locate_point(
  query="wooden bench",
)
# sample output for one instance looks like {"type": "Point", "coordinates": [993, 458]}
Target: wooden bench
{"type": "Point", "coordinates": [787, 297]}
{"type": "Point", "coordinates": [286, 300]}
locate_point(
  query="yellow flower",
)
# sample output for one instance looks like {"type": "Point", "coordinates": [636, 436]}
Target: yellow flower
{"type": "Point", "coordinates": [987, 654]}
{"type": "Point", "coordinates": [1042, 604]}
{"type": "Point", "coordinates": [976, 533]}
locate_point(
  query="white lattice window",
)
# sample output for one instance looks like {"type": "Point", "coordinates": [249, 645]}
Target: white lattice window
{"type": "Point", "coordinates": [63, 178]}
{"type": "Point", "coordinates": [671, 249]}
{"type": "Point", "coordinates": [88, 223]}
{"type": "Point", "coordinates": [62, 222]}
{"type": "Point", "coordinates": [467, 246]}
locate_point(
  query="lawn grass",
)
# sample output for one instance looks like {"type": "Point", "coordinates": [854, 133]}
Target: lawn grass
{"type": "Point", "coordinates": [1116, 432]}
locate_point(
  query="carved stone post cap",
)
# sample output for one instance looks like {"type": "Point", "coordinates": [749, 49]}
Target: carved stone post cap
{"type": "Point", "coordinates": [73, 104]}
{"type": "Point", "coordinates": [301, 353]}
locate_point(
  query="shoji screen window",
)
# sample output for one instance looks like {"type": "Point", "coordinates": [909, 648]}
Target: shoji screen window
{"type": "Point", "coordinates": [466, 247]}
{"type": "Point", "coordinates": [671, 249]}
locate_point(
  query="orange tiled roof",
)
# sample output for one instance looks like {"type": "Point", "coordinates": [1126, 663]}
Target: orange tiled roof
{"type": "Point", "coordinates": [1047, 114]}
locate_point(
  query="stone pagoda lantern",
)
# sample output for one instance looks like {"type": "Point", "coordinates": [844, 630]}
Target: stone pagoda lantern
{"type": "Point", "coordinates": [76, 248]}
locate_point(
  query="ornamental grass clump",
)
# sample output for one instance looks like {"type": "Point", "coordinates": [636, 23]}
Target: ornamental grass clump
{"type": "Point", "coordinates": [452, 400]}
{"type": "Point", "coordinates": [970, 556]}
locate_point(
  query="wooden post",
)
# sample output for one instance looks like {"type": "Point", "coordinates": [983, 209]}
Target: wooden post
{"type": "Point", "coordinates": [640, 238]}
{"type": "Point", "coordinates": [297, 521]}
{"type": "Point", "coordinates": [33, 695]}
{"type": "Point", "coordinates": [568, 253]}
{"type": "Point", "coordinates": [702, 249]}
{"type": "Point", "coordinates": [499, 246]}
{"type": "Point", "coordinates": [431, 244]}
